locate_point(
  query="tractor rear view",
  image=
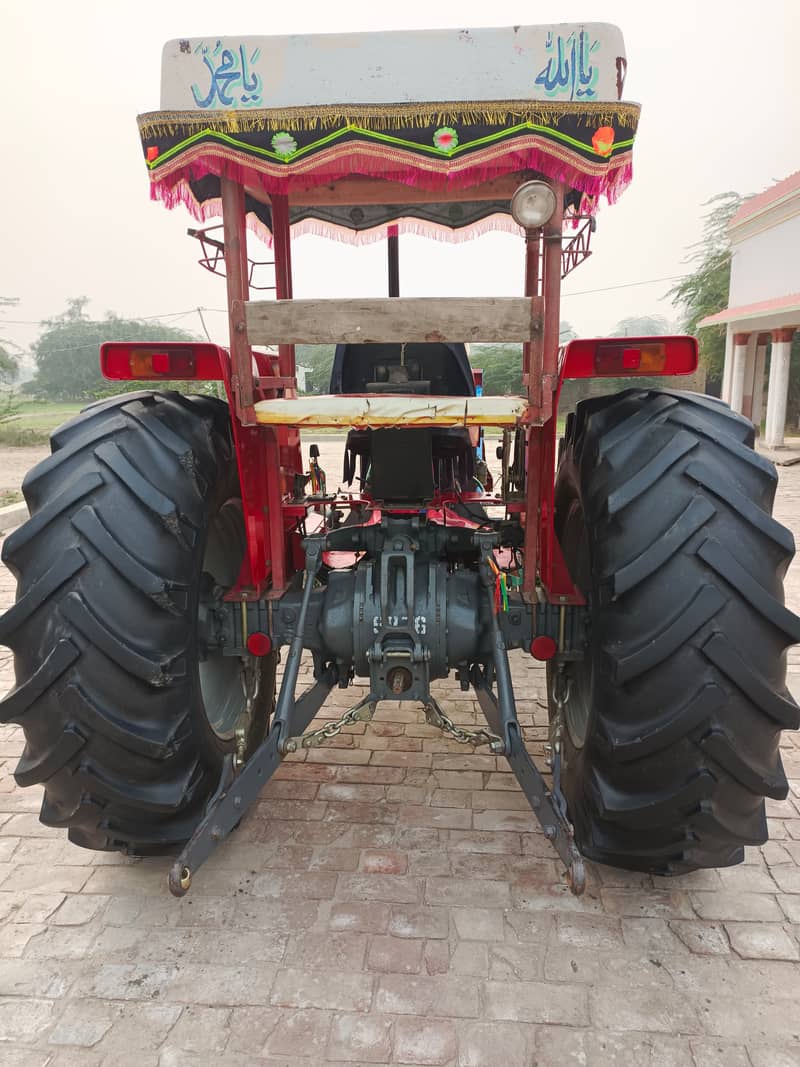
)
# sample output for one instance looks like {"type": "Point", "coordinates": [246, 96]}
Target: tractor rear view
{"type": "Point", "coordinates": [178, 544]}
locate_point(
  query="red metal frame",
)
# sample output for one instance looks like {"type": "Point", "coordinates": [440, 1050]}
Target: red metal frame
{"type": "Point", "coordinates": [577, 249]}
{"type": "Point", "coordinates": [269, 459]}
{"type": "Point", "coordinates": [543, 558]}
{"type": "Point", "coordinates": [257, 447]}
{"type": "Point", "coordinates": [213, 257]}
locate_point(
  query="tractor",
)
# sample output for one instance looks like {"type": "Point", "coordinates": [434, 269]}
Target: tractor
{"type": "Point", "coordinates": [178, 543]}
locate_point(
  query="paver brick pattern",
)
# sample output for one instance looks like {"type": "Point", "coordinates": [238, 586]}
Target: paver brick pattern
{"type": "Point", "coordinates": [390, 899]}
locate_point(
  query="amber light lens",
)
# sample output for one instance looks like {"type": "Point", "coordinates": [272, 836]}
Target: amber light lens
{"type": "Point", "coordinates": [149, 364]}
{"type": "Point", "coordinates": [630, 359]}
{"type": "Point", "coordinates": [652, 359]}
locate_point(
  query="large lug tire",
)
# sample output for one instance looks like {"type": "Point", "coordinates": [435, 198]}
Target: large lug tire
{"type": "Point", "coordinates": [673, 719]}
{"type": "Point", "coordinates": [132, 515]}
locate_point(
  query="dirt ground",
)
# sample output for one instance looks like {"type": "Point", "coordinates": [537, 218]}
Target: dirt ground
{"type": "Point", "coordinates": [16, 462]}
{"type": "Point", "coordinates": [391, 899]}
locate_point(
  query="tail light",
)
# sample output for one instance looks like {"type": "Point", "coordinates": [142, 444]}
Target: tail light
{"type": "Point", "coordinates": [611, 357]}
{"type": "Point", "coordinates": [179, 360]}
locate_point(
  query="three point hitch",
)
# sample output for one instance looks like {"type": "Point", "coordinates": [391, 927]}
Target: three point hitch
{"type": "Point", "coordinates": [490, 679]}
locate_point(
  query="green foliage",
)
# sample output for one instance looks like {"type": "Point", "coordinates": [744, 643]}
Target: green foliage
{"type": "Point", "coordinates": [9, 366]}
{"type": "Point", "coordinates": [502, 364]}
{"type": "Point", "coordinates": [9, 362]}
{"type": "Point", "coordinates": [641, 326]}
{"type": "Point", "coordinates": [705, 290]}
{"type": "Point", "coordinates": [318, 361]}
{"type": "Point", "coordinates": [67, 353]}
{"type": "Point", "coordinates": [793, 397]}
{"type": "Point", "coordinates": [9, 406]}
{"type": "Point", "coordinates": [30, 422]}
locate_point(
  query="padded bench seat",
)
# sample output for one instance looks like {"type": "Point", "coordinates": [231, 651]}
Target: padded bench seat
{"type": "Point", "coordinates": [375, 411]}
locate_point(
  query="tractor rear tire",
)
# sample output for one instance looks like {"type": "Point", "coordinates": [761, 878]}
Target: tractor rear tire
{"type": "Point", "coordinates": [673, 718]}
{"type": "Point", "coordinates": [132, 515]}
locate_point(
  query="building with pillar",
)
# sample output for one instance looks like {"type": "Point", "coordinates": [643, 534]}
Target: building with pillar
{"type": "Point", "coordinates": [763, 310]}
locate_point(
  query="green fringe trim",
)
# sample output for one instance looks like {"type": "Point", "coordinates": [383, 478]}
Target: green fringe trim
{"type": "Point", "coordinates": [389, 116]}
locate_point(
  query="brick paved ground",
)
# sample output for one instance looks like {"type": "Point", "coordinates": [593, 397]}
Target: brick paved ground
{"type": "Point", "coordinates": [391, 899]}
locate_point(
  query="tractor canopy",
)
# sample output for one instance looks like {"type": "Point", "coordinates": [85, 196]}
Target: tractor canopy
{"type": "Point", "coordinates": [431, 115]}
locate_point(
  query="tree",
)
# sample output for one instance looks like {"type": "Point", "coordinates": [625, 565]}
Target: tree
{"type": "Point", "coordinates": [641, 326]}
{"type": "Point", "coordinates": [501, 366]}
{"type": "Point", "coordinates": [9, 361]}
{"type": "Point", "coordinates": [705, 290]}
{"type": "Point", "coordinates": [9, 365]}
{"type": "Point", "coordinates": [67, 352]}
{"type": "Point", "coordinates": [565, 332]}
{"type": "Point", "coordinates": [318, 361]}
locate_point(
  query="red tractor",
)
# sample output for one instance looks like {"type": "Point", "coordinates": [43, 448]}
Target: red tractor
{"type": "Point", "coordinates": [177, 542]}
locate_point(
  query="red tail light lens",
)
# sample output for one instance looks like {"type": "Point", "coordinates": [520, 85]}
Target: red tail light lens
{"type": "Point", "coordinates": [618, 358]}
{"type": "Point", "coordinates": [145, 364]}
{"type": "Point", "coordinates": [183, 360]}
{"type": "Point", "coordinates": [614, 359]}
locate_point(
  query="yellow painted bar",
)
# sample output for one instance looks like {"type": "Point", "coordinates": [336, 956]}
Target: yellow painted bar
{"type": "Point", "coordinates": [381, 410]}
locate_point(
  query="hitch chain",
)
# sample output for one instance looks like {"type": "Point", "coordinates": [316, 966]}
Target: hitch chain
{"type": "Point", "coordinates": [435, 716]}
{"type": "Point", "coordinates": [362, 712]}
{"type": "Point", "coordinates": [559, 695]}
{"type": "Point", "coordinates": [251, 683]}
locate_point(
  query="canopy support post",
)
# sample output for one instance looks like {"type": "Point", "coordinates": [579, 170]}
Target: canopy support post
{"type": "Point", "coordinates": [393, 260]}
{"type": "Point", "coordinates": [289, 461]}
{"type": "Point", "coordinates": [531, 349]}
{"type": "Point", "coordinates": [551, 271]}
{"type": "Point", "coordinates": [540, 541]}
{"type": "Point", "coordinates": [235, 244]}
{"type": "Point", "coordinates": [282, 245]}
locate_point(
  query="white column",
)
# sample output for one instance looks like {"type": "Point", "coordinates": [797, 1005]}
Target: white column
{"type": "Point", "coordinates": [778, 387]}
{"type": "Point", "coordinates": [758, 381]}
{"type": "Point", "coordinates": [727, 366]}
{"type": "Point", "coordinates": [740, 341]}
{"type": "Point", "coordinates": [749, 376]}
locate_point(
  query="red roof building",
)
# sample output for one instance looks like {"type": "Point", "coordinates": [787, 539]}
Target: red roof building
{"type": "Point", "coordinates": [763, 304]}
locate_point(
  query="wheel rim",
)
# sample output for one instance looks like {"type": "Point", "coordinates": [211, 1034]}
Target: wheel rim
{"type": "Point", "coordinates": [221, 676]}
{"type": "Point", "coordinates": [579, 674]}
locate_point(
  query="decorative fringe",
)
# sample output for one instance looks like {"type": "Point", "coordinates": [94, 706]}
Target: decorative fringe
{"type": "Point", "coordinates": [181, 193]}
{"type": "Point", "coordinates": [417, 227]}
{"type": "Point", "coordinates": [606, 177]}
{"type": "Point", "coordinates": [390, 116]}
{"type": "Point", "coordinates": [211, 209]}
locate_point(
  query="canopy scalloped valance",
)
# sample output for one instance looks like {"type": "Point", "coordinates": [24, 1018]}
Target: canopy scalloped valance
{"type": "Point", "coordinates": [436, 147]}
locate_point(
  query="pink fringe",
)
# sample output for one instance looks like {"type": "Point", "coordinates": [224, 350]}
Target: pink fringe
{"type": "Point", "coordinates": [170, 185]}
{"type": "Point", "coordinates": [419, 227]}
{"type": "Point", "coordinates": [212, 209]}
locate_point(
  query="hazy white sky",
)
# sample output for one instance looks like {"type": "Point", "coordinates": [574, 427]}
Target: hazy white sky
{"type": "Point", "coordinates": [719, 82]}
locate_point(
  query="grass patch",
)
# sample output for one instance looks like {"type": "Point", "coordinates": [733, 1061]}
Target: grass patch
{"type": "Point", "coordinates": [10, 496]}
{"type": "Point", "coordinates": [34, 422]}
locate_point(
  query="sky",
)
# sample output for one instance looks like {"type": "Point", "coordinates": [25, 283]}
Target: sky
{"type": "Point", "coordinates": [718, 81]}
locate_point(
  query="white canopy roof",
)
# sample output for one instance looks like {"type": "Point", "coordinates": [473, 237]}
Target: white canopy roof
{"type": "Point", "coordinates": [567, 62]}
